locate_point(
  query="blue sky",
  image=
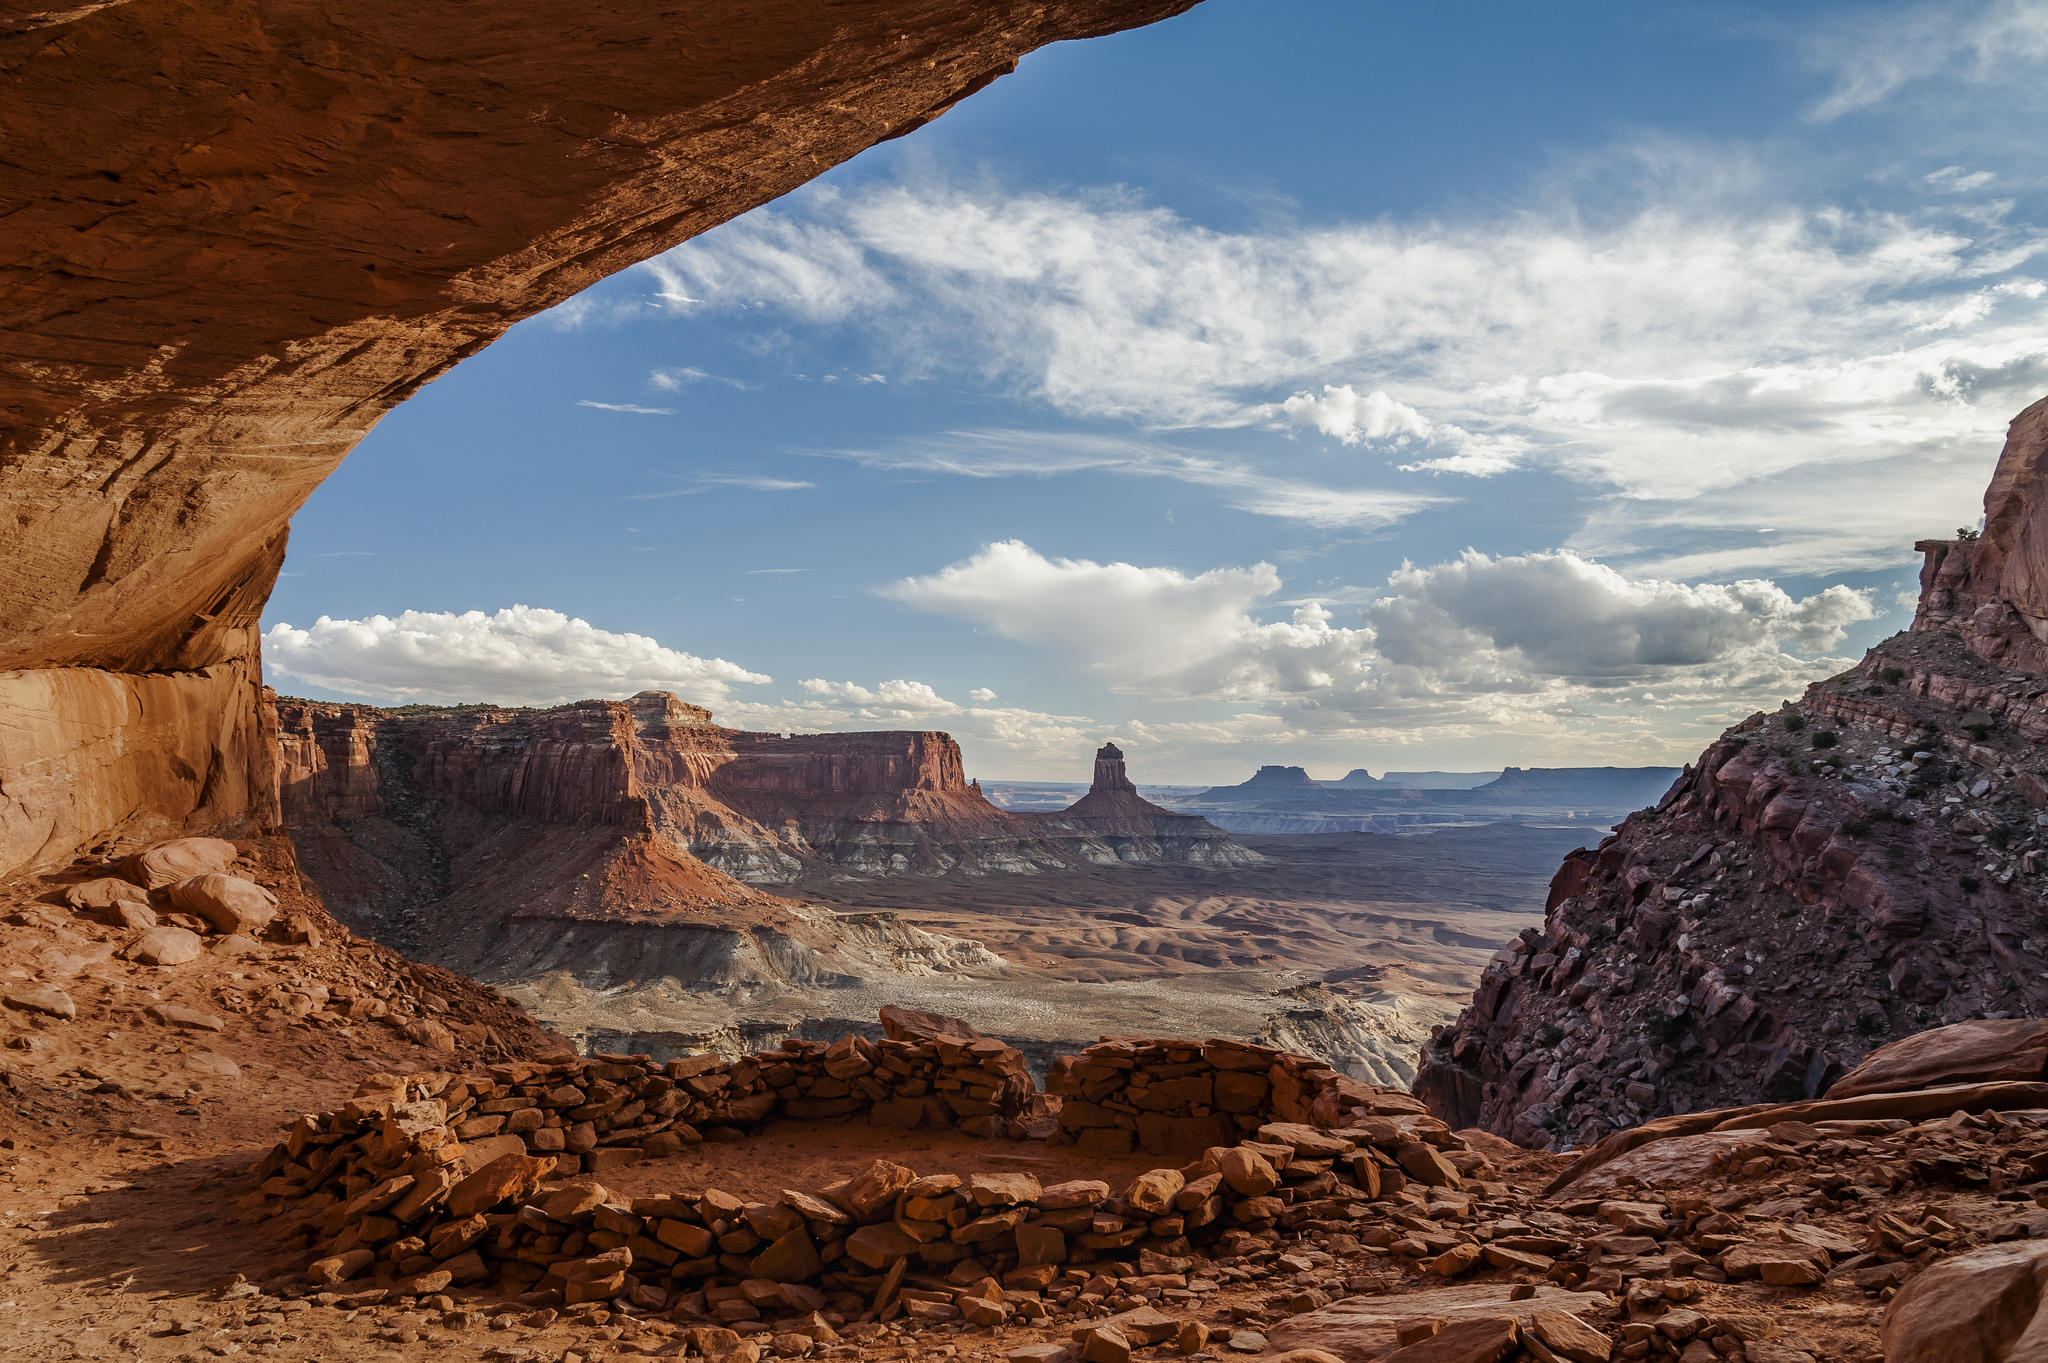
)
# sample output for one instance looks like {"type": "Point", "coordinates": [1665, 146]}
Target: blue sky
{"type": "Point", "coordinates": [1334, 384]}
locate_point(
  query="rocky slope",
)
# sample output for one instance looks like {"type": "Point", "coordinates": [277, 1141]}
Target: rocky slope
{"type": "Point", "coordinates": [1867, 862]}
{"type": "Point", "coordinates": [466, 1191]}
{"type": "Point", "coordinates": [236, 238]}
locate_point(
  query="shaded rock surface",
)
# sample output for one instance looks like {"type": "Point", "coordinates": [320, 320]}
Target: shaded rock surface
{"type": "Point", "coordinates": [1865, 864]}
{"type": "Point", "coordinates": [237, 239]}
{"type": "Point", "coordinates": [1963, 1052]}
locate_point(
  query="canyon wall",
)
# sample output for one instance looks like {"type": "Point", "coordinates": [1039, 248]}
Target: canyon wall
{"type": "Point", "coordinates": [1863, 864]}
{"type": "Point", "coordinates": [763, 808]}
{"type": "Point", "coordinates": [236, 235]}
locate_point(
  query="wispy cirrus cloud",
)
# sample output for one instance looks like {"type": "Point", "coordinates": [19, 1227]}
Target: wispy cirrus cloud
{"type": "Point", "coordinates": [710, 482]}
{"type": "Point", "coordinates": [629, 408]}
{"type": "Point", "coordinates": [679, 377]}
{"type": "Point", "coordinates": [996, 452]}
{"type": "Point", "coordinates": [1688, 347]}
{"type": "Point", "coordinates": [1874, 52]}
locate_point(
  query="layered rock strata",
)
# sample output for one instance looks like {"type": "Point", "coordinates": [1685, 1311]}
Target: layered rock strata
{"type": "Point", "coordinates": [367, 791]}
{"type": "Point", "coordinates": [1865, 863]}
{"type": "Point", "coordinates": [1113, 818]}
{"type": "Point", "coordinates": [234, 240]}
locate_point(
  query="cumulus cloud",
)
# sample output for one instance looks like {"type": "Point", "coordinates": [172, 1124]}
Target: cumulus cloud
{"type": "Point", "coordinates": [981, 695]}
{"type": "Point", "coordinates": [1562, 616]}
{"type": "Point", "coordinates": [521, 655]}
{"type": "Point", "coordinates": [902, 697]}
{"type": "Point", "coordinates": [1676, 349]}
{"type": "Point", "coordinates": [1343, 413]}
{"type": "Point", "coordinates": [1872, 53]}
{"type": "Point", "coordinates": [1547, 640]}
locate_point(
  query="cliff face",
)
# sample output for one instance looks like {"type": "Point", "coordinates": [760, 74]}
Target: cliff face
{"type": "Point", "coordinates": [1866, 863]}
{"type": "Point", "coordinates": [356, 782]}
{"type": "Point", "coordinates": [238, 235]}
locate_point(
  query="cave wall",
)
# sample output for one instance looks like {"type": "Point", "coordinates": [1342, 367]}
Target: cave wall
{"type": "Point", "coordinates": [233, 235]}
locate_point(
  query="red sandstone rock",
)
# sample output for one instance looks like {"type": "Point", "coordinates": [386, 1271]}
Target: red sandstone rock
{"type": "Point", "coordinates": [166, 945]}
{"type": "Point", "coordinates": [229, 903]}
{"type": "Point", "coordinates": [1987, 1306]}
{"type": "Point", "coordinates": [168, 863]}
{"type": "Point", "coordinates": [1898, 869]}
{"type": "Point", "coordinates": [1965, 1052]}
{"type": "Point", "coordinates": [173, 394]}
{"type": "Point", "coordinates": [502, 1178]}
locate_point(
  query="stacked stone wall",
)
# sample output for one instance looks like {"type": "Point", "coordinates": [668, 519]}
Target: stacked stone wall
{"type": "Point", "coordinates": [428, 1181]}
{"type": "Point", "coordinates": [1166, 1096]}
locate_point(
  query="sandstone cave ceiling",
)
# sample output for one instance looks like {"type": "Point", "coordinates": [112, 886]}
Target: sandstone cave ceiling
{"type": "Point", "coordinates": [238, 235]}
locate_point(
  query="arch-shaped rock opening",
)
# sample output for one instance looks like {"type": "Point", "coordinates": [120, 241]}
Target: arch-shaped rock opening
{"type": "Point", "coordinates": [236, 237]}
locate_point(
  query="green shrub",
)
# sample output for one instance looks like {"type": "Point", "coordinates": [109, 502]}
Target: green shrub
{"type": "Point", "coordinates": [1970, 884]}
{"type": "Point", "coordinates": [1893, 675]}
{"type": "Point", "coordinates": [1550, 1034]}
{"type": "Point", "coordinates": [1794, 721]}
{"type": "Point", "coordinates": [1825, 738]}
{"type": "Point", "coordinates": [1965, 534]}
{"type": "Point", "coordinates": [1666, 1031]}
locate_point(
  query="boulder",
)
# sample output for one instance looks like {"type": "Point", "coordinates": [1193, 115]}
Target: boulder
{"type": "Point", "coordinates": [880, 1245]}
{"type": "Point", "coordinates": [1570, 1338]}
{"type": "Point", "coordinates": [505, 1177]}
{"type": "Point", "coordinates": [1247, 1172]}
{"type": "Point", "coordinates": [105, 892]}
{"type": "Point", "coordinates": [229, 903]}
{"type": "Point", "coordinates": [167, 863]}
{"type": "Point", "coordinates": [46, 999]}
{"type": "Point", "coordinates": [177, 1015]}
{"type": "Point", "coordinates": [165, 945]}
{"type": "Point", "coordinates": [913, 1024]}
{"type": "Point", "coordinates": [791, 1259]}
{"type": "Point", "coordinates": [126, 913]}
{"type": "Point", "coordinates": [1987, 1306]}
{"type": "Point", "coordinates": [1152, 1193]}
{"type": "Point", "coordinates": [874, 1187]}
{"type": "Point", "coordinates": [1980, 1051]}
{"type": "Point", "coordinates": [1002, 1190]}
{"type": "Point", "coordinates": [1676, 1162]}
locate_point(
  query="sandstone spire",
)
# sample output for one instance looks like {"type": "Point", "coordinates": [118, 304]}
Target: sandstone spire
{"type": "Point", "coordinates": [1109, 772]}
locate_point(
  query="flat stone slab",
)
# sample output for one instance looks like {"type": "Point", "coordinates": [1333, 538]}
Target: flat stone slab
{"type": "Point", "coordinates": [1366, 1329]}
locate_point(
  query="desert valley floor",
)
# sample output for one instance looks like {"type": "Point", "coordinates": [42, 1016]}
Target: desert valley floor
{"type": "Point", "coordinates": [1349, 945]}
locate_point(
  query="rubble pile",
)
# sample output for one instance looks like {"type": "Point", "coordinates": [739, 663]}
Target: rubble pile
{"type": "Point", "coordinates": [1167, 1096]}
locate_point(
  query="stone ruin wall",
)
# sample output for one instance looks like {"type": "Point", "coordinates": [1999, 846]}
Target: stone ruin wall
{"type": "Point", "coordinates": [426, 1181]}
